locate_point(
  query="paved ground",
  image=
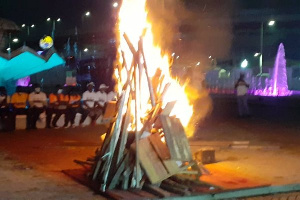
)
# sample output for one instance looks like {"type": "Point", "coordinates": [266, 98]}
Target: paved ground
{"type": "Point", "coordinates": [31, 161]}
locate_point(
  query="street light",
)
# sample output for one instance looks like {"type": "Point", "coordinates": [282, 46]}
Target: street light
{"type": "Point", "coordinates": [8, 49]}
{"type": "Point", "coordinates": [32, 26]}
{"type": "Point", "coordinates": [15, 40]}
{"type": "Point", "coordinates": [23, 25]}
{"type": "Point", "coordinates": [198, 63]}
{"type": "Point", "coordinates": [270, 23]}
{"type": "Point", "coordinates": [244, 64]}
{"type": "Point", "coordinates": [115, 5]}
{"type": "Point", "coordinates": [58, 20]}
{"type": "Point", "coordinates": [48, 19]}
{"type": "Point", "coordinates": [86, 50]}
{"type": "Point", "coordinates": [87, 13]}
{"type": "Point", "coordinates": [256, 54]}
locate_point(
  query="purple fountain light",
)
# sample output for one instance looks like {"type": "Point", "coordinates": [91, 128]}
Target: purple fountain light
{"type": "Point", "coordinates": [278, 86]}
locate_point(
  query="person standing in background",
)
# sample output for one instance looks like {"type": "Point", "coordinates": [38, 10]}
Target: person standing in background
{"type": "Point", "coordinates": [242, 87]}
{"type": "Point", "coordinates": [38, 102]}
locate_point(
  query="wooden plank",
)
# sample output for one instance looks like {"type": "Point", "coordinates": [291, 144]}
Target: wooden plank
{"type": "Point", "coordinates": [124, 134]}
{"type": "Point", "coordinates": [121, 194]}
{"type": "Point", "coordinates": [150, 161]}
{"type": "Point", "coordinates": [176, 138]}
{"type": "Point", "coordinates": [110, 110]}
{"type": "Point", "coordinates": [143, 194]}
{"type": "Point", "coordinates": [121, 168]}
{"type": "Point", "coordinates": [168, 109]}
{"type": "Point", "coordinates": [157, 191]}
{"type": "Point", "coordinates": [160, 147]}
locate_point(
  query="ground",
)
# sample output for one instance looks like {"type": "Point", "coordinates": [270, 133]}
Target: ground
{"type": "Point", "coordinates": [32, 161]}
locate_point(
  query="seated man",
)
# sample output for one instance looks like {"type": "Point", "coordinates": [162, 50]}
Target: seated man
{"type": "Point", "coordinates": [19, 105]}
{"type": "Point", "coordinates": [61, 108]}
{"type": "Point", "coordinates": [52, 106]}
{"type": "Point", "coordinates": [102, 98]}
{"type": "Point", "coordinates": [89, 98]}
{"type": "Point", "coordinates": [74, 107]}
{"type": "Point", "coordinates": [4, 109]}
{"type": "Point", "coordinates": [38, 102]}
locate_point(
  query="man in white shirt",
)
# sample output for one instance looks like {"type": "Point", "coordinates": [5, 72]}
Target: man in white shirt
{"type": "Point", "coordinates": [89, 99]}
{"type": "Point", "coordinates": [242, 90]}
{"type": "Point", "coordinates": [37, 101]}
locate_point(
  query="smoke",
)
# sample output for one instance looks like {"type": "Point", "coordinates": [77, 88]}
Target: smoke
{"type": "Point", "coordinates": [195, 30]}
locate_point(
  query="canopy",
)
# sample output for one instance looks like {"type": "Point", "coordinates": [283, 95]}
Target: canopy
{"type": "Point", "coordinates": [25, 62]}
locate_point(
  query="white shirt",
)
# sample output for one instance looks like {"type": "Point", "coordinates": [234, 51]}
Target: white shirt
{"type": "Point", "coordinates": [111, 96]}
{"type": "Point", "coordinates": [37, 97]}
{"type": "Point", "coordinates": [102, 98]}
{"type": "Point", "coordinates": [242, 90]}
{"type": "Point", "coordinates": [90, 98]}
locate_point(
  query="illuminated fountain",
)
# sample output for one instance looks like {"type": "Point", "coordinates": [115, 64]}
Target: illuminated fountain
{"type": "Point", "coordinates": [277, 85]}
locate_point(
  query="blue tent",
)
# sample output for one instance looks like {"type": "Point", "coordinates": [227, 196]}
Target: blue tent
{"type": "Point", "coordinates": [25, 62]}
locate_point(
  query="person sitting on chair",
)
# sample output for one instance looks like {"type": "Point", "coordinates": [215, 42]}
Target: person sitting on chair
{"type": "Point", "coordinates": [19, 105]}
{"type": "Point", "coordinates": [38, 102]}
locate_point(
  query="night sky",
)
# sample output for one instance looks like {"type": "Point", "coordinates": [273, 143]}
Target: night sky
{"type": "Point", "coordinates": [37, 11]}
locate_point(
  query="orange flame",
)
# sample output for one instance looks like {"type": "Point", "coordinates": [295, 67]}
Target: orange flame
{"type": "Point", "coordinates": [133, 21]}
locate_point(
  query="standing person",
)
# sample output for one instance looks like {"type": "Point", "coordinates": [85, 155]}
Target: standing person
{"type": "Point", "coordinates": [89, 98]}
{"type": "Point", "coordinates": [52, 106]}
{"type": "Point", "coordinates": [19, 106]}
{"type": "Point", "coordinates": [4, 108]}
{"type": "Point", "coordinates": [74, 107]}
{"type": "Point", "coordinates": [37, 101]}
{"type": "Point", "coordinates": [63, 100]}
{"type": "Point", "coordinates": [242, 89]}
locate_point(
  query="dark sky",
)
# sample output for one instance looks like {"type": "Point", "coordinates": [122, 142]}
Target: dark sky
{"type": "Point", "coordinates": [36, 11]}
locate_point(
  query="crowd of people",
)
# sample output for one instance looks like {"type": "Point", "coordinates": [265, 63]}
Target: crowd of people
{"type": "Point", "coordinates": [67, 101]}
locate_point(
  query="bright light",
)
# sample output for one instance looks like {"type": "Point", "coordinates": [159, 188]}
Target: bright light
{"type": "Point", "coordinates": [173, 54]}
{"type": "Point", "coordinates": [48, 19]}
{"type": "Point", "coordinates": [115, 4]}
{"type": "Point", "coordinates": [177, 57]}
{"type": "Point", "coordinates": [86, 50]}
{"type": "Point", "coordinates": [23, 25]}
{"type": "Point", "coordinates": [256, 54]}
{"type": "Point", "coordinates": [87, 13]}
{"type": "Point", "coordinates": [271, 23]}
{"type": "Point", "coordinates": [8, 49]}
{"type": "Point", "coordinates": [244, 64]}
{"type": "Point", "coordinates": [58, 19]}
{"type": "Point", "coordinates": [32, 26]}
{"type": "Point", "coordinates": [198, 63]}
{"type": "Point", "coordinates": [209, 57]}
{"type": "Point", "coordinates": [15, 40]}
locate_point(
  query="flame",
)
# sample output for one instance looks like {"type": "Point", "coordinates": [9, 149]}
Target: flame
{"type": "Point", "coordinates": [133, 21]}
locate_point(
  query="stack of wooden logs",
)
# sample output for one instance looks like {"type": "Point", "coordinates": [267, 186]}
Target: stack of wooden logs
{"type": "Point", "coordinates": [130, 156]}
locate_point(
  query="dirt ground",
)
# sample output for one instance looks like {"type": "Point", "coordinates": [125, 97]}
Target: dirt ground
{"type": "Point", "coordinates": [32, 161]}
